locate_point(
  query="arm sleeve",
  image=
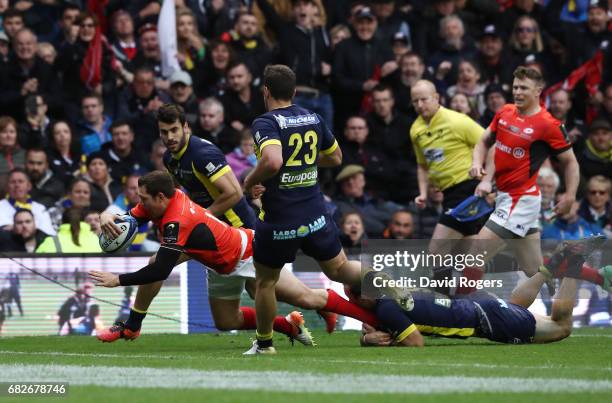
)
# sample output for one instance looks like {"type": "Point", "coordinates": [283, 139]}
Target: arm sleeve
{"type": "Point", "coordinates": [265, 134]}
{"type": "Point", "coordinates": [139, 214]}
{"type": "Point", "coordinates": [394, 319]}
{"type": "Point", "coordinates": [159, 270]}
{"type": "Point", "coordinates": [472, 131]}
{"type": "Point", "coordinates": [557, 138]}
{"type": "Point", "coordinates": [211, 163]}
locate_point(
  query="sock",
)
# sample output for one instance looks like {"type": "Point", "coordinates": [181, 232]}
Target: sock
{"type": "Point", "coordinates": [134, 322]}
{"type": "Point", "coordinates": [591, 275]}
{"type": "Point", "coordinates": [264, 340]}
{"type": "Point", "coordinates": [337, 304]}
{"type": "Point", "coordinates": [249, 318]}
{"type": "Point", "coordinates": [471, 273]}
{"type": "Point", "coordinates": [282, 325]}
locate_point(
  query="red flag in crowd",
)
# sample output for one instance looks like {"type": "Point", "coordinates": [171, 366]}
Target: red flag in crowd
{"type": "Point", "coordinates": [96, 7]}
{"type": "Point", "coordinates": [366, 101]}
{"type": "Point", "coordinates": [91, 69]}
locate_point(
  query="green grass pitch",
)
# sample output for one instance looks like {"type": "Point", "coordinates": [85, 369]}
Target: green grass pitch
{"type": "Point", "coordinates": [211, 368]}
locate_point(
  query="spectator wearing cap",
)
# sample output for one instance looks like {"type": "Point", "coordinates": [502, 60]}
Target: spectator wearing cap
{"type": "Point", "coordinates": [305, 48]}
{"type": "Point", "coordinates": [23, 236]}
{"type": "Point", "coordinates": [401, 226]}
{"type": "Point", "coordinates": [139, 104]}
{"type": "Point", "coordinates": [73, 236]}
{"type": "Point", "coordinates": [78, 195]}
{"type": "Point", "coordinates": [388, 133]}
{"type": "Point", "coordinates": [104, 189]}
{"type": "Point", "coordinates": [242, 101]}
{"type": "Point", "coordinates": [411, 69]}
{"type": "Point", "coordinates": [400, 45]}
{"type": "Point", "coordinates": [249, 45]}
{"type": "Point", "coordinates": [211, 125]}
{"type": "Point", "coordinates": [47, 188]}
{"type": "Point", "coordinates": [124, 42]}
{"type": "Point", "coordinates": [119, 153]}
{"type": "Point", "coordinates": [94, 126]}
{"type": "Point", "coordinates": [26, 74]}
{"type": "Point", "coordinates": [595, 207]}
{"type": "Point", "coordinates": [561, 108]}
{"type": "Point", "coordinates": [360, 62]}
{"type": "Point", "coordinates": [181, 93]}
{"type": "Point", "coordinates": [18, 197]}
{"type": "Point", "coordinates": [468, 83]}
{"type": "Point", "coordinates": [495, 97]}
{"type": "Point", "coordinates": [353, 197]}
{"type": "Point", "coordinates": [596, 157]}
{"type": "Point", "coordinates": [583, 40]}
{"type": "Point", "coordinates": [491, 59]}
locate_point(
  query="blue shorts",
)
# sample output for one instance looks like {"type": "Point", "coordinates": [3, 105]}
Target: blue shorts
{"type": "Point", "coordinates": [505, 322]}
{"type": "Point", "coordinates": [275, 244]}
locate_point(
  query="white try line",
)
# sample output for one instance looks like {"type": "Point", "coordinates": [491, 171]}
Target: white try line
{"type": "Point", "coordinates": [419, 364]}
{"type": "Point", "coordinates": [285, 381]}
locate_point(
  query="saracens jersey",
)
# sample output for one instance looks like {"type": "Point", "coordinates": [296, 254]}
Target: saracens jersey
{"type": "Point", "coordinates": [522, 144]}
{"type": "Point", "coordinates": [190, 228]}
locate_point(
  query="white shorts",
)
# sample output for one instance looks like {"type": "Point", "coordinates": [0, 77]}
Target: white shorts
{"type": "Point", "coordinates": [230, 286]}
{"type": "Point", "coordinates": [519, 216]}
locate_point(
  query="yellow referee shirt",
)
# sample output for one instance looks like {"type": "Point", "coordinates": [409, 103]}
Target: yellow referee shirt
{"type": "Point", "coordinates": [445, 146]}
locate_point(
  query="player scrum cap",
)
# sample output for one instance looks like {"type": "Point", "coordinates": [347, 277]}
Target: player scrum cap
{"type": "Point", "coordinates": [349, 171]}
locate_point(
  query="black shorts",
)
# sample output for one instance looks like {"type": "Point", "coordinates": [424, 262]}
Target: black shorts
{"type": "Point", "coordinates": [504, 322]}
{"type": "Point", "coordinates": [452, 197]}
{"type": "Point", "coordinates": [275, 244]}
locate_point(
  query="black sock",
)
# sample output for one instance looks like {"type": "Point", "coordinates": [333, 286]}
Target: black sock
{"type": "Point", "coordinates": [264, 343]}
{"type": "Point", "coordinates": [134, 322]}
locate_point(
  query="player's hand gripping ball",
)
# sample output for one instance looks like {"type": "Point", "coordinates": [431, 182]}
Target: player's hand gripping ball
{"type": "Point", "coordinates": [128, 227]}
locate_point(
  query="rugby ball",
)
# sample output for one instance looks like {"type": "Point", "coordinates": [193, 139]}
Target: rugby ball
{"type": "Point", "coordinates": [128, 227]}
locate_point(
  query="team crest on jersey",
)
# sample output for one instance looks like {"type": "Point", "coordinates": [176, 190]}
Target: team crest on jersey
{"type": "Point", "coordinates": [257, 136]}
{"type": "Point", "coordinates": [434, 154]}
{"type": "Point", "coordinates": [170, 232]}
{"type": "Point", "coordinates": [296, 121]}
{"type": "Point", "coordinates": [518, 153]}
{"type": "Point", "coordinates": [528, 130]}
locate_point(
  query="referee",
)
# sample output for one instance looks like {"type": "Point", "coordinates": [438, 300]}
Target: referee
{"type": "Point", "coordinates": [443, 142]}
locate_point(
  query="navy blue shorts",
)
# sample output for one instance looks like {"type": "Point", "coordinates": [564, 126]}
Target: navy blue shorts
{"type": "Point", "coordinates": [504, 322]}
{"type": "Point", "coordinates": [275, 244]}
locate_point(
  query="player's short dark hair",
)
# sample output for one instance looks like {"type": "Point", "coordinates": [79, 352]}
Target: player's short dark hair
{"type": "Point", "coordinates": [170, 113]}
{"type": "Point", "coordinates": [280, 81]}
{"type": "Point", "coordinates": [158, 182]}
{"type": "Point", "coordinates": [119, 123]}
{"type": "Point", "coordinates": [523, 72]}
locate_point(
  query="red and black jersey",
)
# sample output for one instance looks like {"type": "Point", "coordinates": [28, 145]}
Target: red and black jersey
{"type": "Point", "coordinates": [522, 144]}
{"type": "Point", "coordinates": [190, 228]}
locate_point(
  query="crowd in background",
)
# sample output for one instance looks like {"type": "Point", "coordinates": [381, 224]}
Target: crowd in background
{"type": "Point", "coordinates": [81, 81]}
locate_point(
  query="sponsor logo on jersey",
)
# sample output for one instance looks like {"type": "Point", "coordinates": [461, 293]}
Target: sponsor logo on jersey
{"type": "Point", "coordinates": [514, 129]}
{"type": "Point", "coordinates": [305, 178]}
{"type": "Point", "coordinates": [300, 232]}
{"type": "Point", "coordinates": [210, 167]}
{"type": "Point", "coordinates": [296, 121]}
{"type": "Point", "coordinates": [170, 232]}
{"type": "Point", "coordinates": [434, 154]}
{"type": "Point", "coordinates": [257, 136]}
{"type": "Point", "coordinates": [518, 153]}
{"type": "Point", "coordinates": [528, 130]}
{"type": "Point", "coordinates": [502, 147]}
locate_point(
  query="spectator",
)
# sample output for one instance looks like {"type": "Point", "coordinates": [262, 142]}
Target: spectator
{"type": "Point", "coordinates": [596, 156]}
{"type": "Point", "coordinates": [104, 189]}
{"type": "Point", "coordinates": [4, 50]}
{"type": "Point", "coordinates": [93, 128]}
{"type": "Point", "coordinates": [120, 155]}
{"type": "Point", "coordinates": [427, 218]}
{"type": "Point", "coordinates": [139, 104]}
{"type": "Point", "coordinates": [548, 182]}
{"type": "Point", "coordinates": [75, 306]}
{"type": "Point", "coordinates": [68, 31]}
{"type": "Point", "coordinates": [375, 212]}
{"type": "Point", "coordinates": [157, 156]}
{"type": "Point", "coordinates": [93, 219]}
{"type": "Point", "coordinates": [12, 22]}
{"type": "Point", "coordinates": [305, 47]}
{"type": "Point", "coordinates": [595, 207]}
{"type": "Point", "coordinates": [23, 236]}
{"type": "Point", "coordinates": [211, 126]}
{"type": "Point", "coordinates": [47, 52]}
{"type": "Point", "coordinates": [11, 155]}
{"type": "Point", "coordinates": [527, 8]}
{"type": "Point", "coordinates": [459, 102]}
{"type": "Point", "coordinates": [400, 45]}
{"type": "Point", "coordinates": [360, 62]}
{"type": "Point", "coordinates": [352, 230]}
{"type": "Point", "coordinates": [337, 34]}
{"type": "Point", "coordinates": [401, 226]}
{"type": "Point", "coordinates": [32, 132]}
{"type": "Point", "coordinates": [585, 39]}
{"type": "Point", "coordinates": [64, 152]}
{"type": "Point", "coordinates": [243, 157]}
{"type": "Point", "coordinates": [388, 132]}
{"type": "Point", "coordinates": [411, 69]}
{"type": "Point", "coordinates": [356, 150]}
{"type": "Point", "coordinates": [18, 197]}
{"type": "Point", "coordinates": [570, 227]}
{"type": "Point", "coordinates": [79, 196]}
{"type": "Point", "coordinates": [181, 92]}
{"type": "Point", "coordinates": [495, 98]}
{"type": "Point", "coordinates": [493, 64]}
{"type": "Point", "coordinates": [249, 45]}
{"type": "Point", "coordinates": [392, 21]}
{"type": "Point", "coordinates": [432, 19]}
{"type": "Point", "coordinates": [124, 43]}
{"type": "Point", "coordinates": [47, 188]}
{"type": "Point", "coordinates": [190, 44]}
{"type": "Point", "coordinates": [561, 108]}
{"type": "Point", "coordinates": [149, 55]}
{"type": "Point", "coordinates": [211, 77]}
{"type": "Point", "coordinates": [605, 109]}
{"type": "Point", "coordinates": [73, 236]}
{"type": "Point", "coordinates": [525, 40]}
{"type": "Point", "coordinates": [468, 83]}
{"type": "Point", "coordinates": [243, 101]}
{"type": "Point", "coordinates": [26, 74]}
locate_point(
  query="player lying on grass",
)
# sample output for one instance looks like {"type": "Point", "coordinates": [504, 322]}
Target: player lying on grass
{"type": "Point", "coordinates": [422, 311]}
{"type": "Point", "coordinates": [189, 231]}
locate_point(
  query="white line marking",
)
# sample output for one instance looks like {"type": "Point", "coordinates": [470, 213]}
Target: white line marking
{"type": "Point", "coordinates": [436, 364]}
{"type": "Point", "coordinates": [284, 381]}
